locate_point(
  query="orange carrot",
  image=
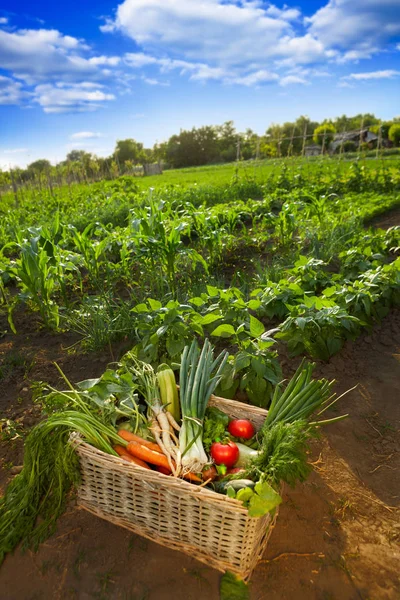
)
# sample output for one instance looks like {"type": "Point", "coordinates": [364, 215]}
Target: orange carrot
{"type": "Point", "coordinates": [147, 454]}
{"type": "Point", "coordinates": [192, 477]}
{"type": "Point", "coordinates": [126, 456]}
{"type": "Point", "coordinates": [163, 470]}
{"type": "Point", "coordinates": [132, 437]}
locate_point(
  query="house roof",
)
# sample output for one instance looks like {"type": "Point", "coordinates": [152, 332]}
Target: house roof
{"type": "Point", "coordinates": [351, 135]}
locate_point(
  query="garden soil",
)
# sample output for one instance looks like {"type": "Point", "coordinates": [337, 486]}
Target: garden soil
{"type": "Point", "coordinates": [337, 535]}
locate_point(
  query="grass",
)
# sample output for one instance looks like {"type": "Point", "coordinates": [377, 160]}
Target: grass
{"type": "Point", "coordinates": [78, 562]}
{"type": "Point", "coordinates": [260, 170]}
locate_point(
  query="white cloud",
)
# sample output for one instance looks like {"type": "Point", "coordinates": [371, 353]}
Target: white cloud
{"type": "Point", "coordinates": [199, 71]}
{"type": "Point", "coordinates": [301, 50]}
{"type": "Point", "coordinates": [111, 61]}
{"type": "Point", "coordinates": [36, 55]}
{"type": "Point", "coordinates": [255, 78]}
{"type": "Point", "coordinates": [244, 35]}
{"type": "Point", "coordinates": [351, 24]}
{"type": "Point", "coordinates": [11, 91]}
{"type": "Point", "coordinates": [61, 98]}
{"type": "Point", "coordinates": [216, 31]}
{"type": "Point", "coordinates": [357, 55]}
{"type": "Point", "coordinates": [153, 81]}
{"type": "Point", "coordinates": [3, 20]}
{"type": "Point", "coordinates": [289, 14]}
{"type": "Point", "coordinates": [233, 39]}
{"type": "Point", "coordinates": [387, 74]}
{"type": "Point", "coordinates": [139, 59]}
{"type": "Point", "coordinates": [15, 151]}
{"type": "Point", "coordinates": [292, 79]}
{"type": "Point", "coordinates": [85, 135]}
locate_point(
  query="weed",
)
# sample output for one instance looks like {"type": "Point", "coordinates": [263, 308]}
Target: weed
{"type": "Point", "coordinates": [77, 564]}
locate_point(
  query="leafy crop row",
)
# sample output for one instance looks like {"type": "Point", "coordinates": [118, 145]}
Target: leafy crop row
{"type": "Point", "coordinates": [248, 264]}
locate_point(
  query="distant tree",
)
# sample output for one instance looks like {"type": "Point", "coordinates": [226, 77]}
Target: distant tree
{"type": "Point", "coordinates": [160, 151]}
{"type": "Point", "coordinates": [268, 150]}
{"type": "Point", "coordinates": [394, 134]}
{"type": "Point", "coordinates": [248, 144]}
{"type": "Point", "coordinates": [79, 156]}
{"type": "Point", "coordinates": [129, 149]}
{"type": "Point", "coordinates": [365, 120]}
{"type": "Point", "coordinates": [39, 166]}
{"type": "Point", "coordinates": [194, 147]}
{"type": "Point", "coordinates": [227, 141]}
{"type": "Point", "coordinates": [324, 134]}
{"type": "Point", "coordinates": [384, 129]}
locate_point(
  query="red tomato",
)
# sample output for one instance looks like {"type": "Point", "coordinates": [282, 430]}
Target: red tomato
{"type": "Point", "coordinates": [224, 454]}
{"type": "Point", "coordinates": [241, 428]}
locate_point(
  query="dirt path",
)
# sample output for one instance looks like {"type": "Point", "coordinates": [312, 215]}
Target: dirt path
{"type": "Point", "coordinates": [337, 536]}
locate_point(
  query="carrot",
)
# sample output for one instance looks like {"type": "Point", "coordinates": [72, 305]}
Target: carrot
{"type": "Point", "coordinates": [132, 437]}
{"type": "Point", "coordinates": [128, 457]}
{"type": "Point", "coordinates": [192, 477]}
{"type": "Point", "coordinates": [143, 453]}
{"type": "Point", "coordinates": [147, 454]}
{"type": "Point", "coordinates": [163, 470]}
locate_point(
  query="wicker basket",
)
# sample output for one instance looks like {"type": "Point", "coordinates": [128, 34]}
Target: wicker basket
{"type": "Point", "coordinates": [211, 527]}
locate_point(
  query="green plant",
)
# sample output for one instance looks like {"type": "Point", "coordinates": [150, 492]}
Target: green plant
{"type": "Point", "coordinates": [318, 330]}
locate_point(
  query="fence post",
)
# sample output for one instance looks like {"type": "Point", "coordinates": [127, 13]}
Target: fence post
{"type": "Point", "coordinates": [14, 187]}
{"type": "Point", "coordinates": [378, 145]}
{"type": "Point", "coordinates": [303, 149]}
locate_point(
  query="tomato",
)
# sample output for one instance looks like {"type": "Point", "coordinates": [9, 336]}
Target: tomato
{"type": "Point", "coordinates": [241, 428]}
{"type": "Point", "coordinates": [224, 454]}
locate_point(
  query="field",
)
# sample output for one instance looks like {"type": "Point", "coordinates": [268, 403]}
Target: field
{"type": "Point", "coordinates": [274, 261]}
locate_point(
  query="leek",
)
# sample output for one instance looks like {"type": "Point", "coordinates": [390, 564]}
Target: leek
{"type": "Point", "coordinates": [199, 376]}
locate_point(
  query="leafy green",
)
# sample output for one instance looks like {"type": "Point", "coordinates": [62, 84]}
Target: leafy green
{"type": "Point", "coordinates": [259, 501]}
{"type": "Point", "coordinates": [215, 426]}
{"type": "Point", "coordinates": [233, 588]}
{"type": "Point", "coordinates": [283, 453]}
{"type": "Point", "coordinates": [263, 500]}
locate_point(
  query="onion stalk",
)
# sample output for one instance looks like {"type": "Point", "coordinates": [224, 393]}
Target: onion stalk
{"type": "Point", "coordinates": [301, 398]}
{"type": "Point", "coordinates": [199, 376]}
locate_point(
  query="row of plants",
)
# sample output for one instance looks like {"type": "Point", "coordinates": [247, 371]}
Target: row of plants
{"type": "Point", "coordinates": [294, 266]}
{"type": "Point", "coordinates": [110, 202]}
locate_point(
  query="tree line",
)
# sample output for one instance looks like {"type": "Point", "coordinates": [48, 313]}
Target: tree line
{"type": "Point", "coordinates": [209, 144]}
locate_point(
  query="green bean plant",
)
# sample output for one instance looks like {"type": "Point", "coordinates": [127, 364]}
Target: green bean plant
{"type": "Point", "coordinates": [318, 328]}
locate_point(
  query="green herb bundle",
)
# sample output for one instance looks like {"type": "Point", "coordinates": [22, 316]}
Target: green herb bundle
{"type": "Point", "coordinates": [283, 453]}
{"type": "Point", "coordinates": [50, 469]}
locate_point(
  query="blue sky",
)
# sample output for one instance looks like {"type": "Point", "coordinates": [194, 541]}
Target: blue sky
{"type": "Point", "coordinates": [86, 73]}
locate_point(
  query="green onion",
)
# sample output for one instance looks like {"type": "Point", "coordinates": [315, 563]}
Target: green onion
{"type": "Point", "coordinates": [301, 398]}
{"type": "Point", "coordinates": [199, 376]}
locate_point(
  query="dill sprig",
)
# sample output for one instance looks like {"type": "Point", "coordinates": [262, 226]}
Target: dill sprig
{"type": "Point", "coordinates": [283, 453]}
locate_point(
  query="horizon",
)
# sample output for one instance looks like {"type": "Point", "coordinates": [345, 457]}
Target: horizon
{"type": "Point", "coordinates": [145, 69]}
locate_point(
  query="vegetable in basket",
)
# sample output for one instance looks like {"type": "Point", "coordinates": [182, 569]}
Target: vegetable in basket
{"type": "Point", "coordinates": [241, 428]}
{"type": "Point", "coordinates": [226, 454]}
{"type": "Point", "coordinates": [162, 421]}
{"type": "Point", "coordinates": [199, 376]}
{"type": "Point", "coordinates": [169, 391]}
